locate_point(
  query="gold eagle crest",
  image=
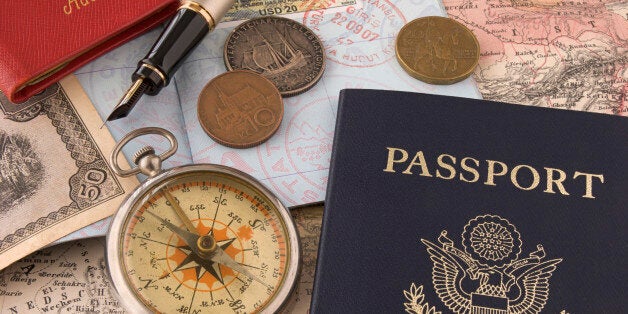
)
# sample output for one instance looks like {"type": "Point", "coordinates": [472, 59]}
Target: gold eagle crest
{"type": "Point", "coordinates": [487, 276]}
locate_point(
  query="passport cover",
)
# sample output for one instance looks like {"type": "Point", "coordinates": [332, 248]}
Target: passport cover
{"type": "Point", "coordinates": [44, 41]}
{"type": "Point", "coordinates": [443, 204]}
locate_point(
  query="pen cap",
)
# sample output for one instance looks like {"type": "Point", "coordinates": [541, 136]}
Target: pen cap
{"type": "Point", "coordinates": [216, 8]}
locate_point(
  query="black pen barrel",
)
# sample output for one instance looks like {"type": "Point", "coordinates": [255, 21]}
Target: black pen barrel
{"type": "Point", "coordinates": [193, 20]}
{"type": "Point", "coordinates": [184, 32]}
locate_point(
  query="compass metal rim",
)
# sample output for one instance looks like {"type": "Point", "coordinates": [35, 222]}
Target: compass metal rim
{"type": "Point", "coordinates": [118, 280]}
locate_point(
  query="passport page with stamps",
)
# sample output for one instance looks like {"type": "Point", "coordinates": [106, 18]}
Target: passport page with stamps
{"type": "Point", "coordinates": [359, 47]}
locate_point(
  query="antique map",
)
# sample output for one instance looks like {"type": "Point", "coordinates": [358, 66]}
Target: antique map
{"type": "Point", "coordinates": [67, 278]}
{"type": "Point", "coordinates": [551, 53]}
{"type": "Point", "coordinates": [72, 277]}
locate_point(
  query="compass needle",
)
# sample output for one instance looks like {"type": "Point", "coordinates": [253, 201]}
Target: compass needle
{"type": "Point", "coordinates": [223, 258]}
{"type": "Point", "coordinates": [200, 238]}
{"type": "Point", "coordinates": [189, 238]}
{"type": "Point", "coordinates": [179, 211]}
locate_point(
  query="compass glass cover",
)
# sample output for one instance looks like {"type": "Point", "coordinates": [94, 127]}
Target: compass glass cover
{"type": "Point", "coordinates": [169, 274]}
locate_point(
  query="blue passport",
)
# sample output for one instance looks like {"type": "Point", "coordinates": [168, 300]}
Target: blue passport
{"type": "Point", "coordinates": [453, 205]}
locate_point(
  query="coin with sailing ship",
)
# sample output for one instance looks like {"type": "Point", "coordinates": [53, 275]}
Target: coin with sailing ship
{"type": "Point", "coordinates": [284, 51]}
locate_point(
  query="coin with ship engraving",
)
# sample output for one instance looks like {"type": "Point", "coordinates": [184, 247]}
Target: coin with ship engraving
{"type": "Point", "coordinates": [284, 51]}
{"type": "Point", "coordinates": [437, 50]}
{"type": "Point", "coordinates": [240, 109]}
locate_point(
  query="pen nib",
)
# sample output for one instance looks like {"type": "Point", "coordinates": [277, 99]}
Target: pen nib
{"type": "Point", "coordinates": [128, 100]}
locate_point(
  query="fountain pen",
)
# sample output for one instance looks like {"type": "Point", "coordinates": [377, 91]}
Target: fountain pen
{"type": "Point", "coordinates": [192, 21]}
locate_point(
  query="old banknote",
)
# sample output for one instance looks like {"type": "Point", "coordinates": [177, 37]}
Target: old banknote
{"type": "Point", "coordinates": [72, 277]}
{"type": "Point", "coordinates": [54, 175]}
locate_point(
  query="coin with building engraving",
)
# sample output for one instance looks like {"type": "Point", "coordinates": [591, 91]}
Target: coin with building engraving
{"type": "Point", "coordinates": [284, 51]}
{"type": "Point", "coordinates": [240, 109]}
{"type": "Point", "coordinates": [437, 50]}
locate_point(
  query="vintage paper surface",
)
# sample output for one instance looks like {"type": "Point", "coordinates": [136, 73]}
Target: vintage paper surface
{"type": "Point", "coordinates": [72, 277]}
{"type": "Point", "coordinates": [242, 10]}
{"type": "Point", "coordinates": [308, 219]}
{"type": "Point", "coordinates": [66, 278]}
{"type": "Point", "coordinates": [54, 177]}
{"type": "Point", "coordinates": [358, 38]}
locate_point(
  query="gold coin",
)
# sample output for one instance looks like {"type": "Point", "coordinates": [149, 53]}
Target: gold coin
{"type": "Point", "coordinates": [240, 109]}
{"type": "Point", "coordinates": [437, 50]}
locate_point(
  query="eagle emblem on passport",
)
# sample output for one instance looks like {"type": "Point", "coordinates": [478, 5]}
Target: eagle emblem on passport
{"type": "Point", "coordinates": [487, 275]}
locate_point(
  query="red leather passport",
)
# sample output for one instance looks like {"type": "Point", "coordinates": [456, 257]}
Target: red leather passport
{"type": "Point", "coordinates": [43, 41]}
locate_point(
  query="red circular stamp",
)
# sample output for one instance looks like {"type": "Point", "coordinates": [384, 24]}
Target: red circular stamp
{"type": "Point", "coordinates": [295, 162]}
{"type": "Point", "coordinates": [360, 35]}
{"type": "Point", "coordinates": [297, 168]}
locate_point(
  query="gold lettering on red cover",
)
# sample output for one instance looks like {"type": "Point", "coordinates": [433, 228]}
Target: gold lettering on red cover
{"type": "Point", "coordinates": [67, 9]}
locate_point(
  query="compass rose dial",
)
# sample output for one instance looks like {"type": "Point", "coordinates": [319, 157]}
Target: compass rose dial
{"type": "Point", "coordinates": [206, 241]}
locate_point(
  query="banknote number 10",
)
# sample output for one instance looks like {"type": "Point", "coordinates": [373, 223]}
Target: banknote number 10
{"type": "Point", "coordinates": [354, 27]}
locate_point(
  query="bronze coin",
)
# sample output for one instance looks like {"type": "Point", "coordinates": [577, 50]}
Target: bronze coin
{"type": "Point", "coordinates": [282, 50]}
{"type": "Point", "coordinates": [437, 50]}
{"type": "Point", "coordinates": [240, 109]}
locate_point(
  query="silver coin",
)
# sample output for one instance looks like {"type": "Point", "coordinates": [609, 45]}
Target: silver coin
{"type": "Point", "coordinates": [284, 51]}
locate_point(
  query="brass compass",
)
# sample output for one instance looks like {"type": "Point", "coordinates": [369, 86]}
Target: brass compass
{"type": "Point", "coordinates": [199, 238]}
